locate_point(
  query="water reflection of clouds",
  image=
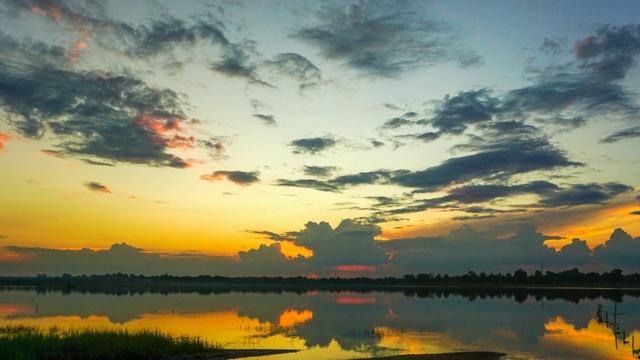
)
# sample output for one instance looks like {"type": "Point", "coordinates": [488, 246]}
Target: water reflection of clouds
{"type": "Point", "coordinates": [362, 323]}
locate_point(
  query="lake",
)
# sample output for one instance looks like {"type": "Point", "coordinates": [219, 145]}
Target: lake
{"type": "Point", "coordinates": [524, 323]}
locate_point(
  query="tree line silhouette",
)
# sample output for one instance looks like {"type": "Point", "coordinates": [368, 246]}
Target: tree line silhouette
{"type": "Point", "coordinates": [573, 277]}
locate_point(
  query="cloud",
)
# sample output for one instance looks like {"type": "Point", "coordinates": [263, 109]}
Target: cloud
{"type": "Point", "coordinates": [54, 153]}
{"type": "Point", "coordinates": [635, 213]}
{"type": "Point", "coordinates": [237, 62]}
{"type": "Point", "coordinates": [399, 122]}
{"type": "Point", "coordinates": [350, 243]}
{"type": "Point", "coordinates": [163, 35]}
{"type": "Point", "coordinates": [97, 187]}
{"type": "Point", "coordinates": [274, 236]}
{"type": "Point", "coordinates": [27, 49]}
{"type": "Point", "coordinates": [454, 113]}
{"type": "Point", "coordinates": [268, 120]}
{"type": "Point", "coordinates": [465, 248]}
{"type": "Point", "coordinates": [269, 261]}
{"type": "Point", "coordinates": [119, 258]}
{"type": "Point", "coordinates": [553, 46]}
{"type": "Point", "coordinates": [312, 145]}
{"type": "Point", "coordinates": [495, 160]}
{"type": "Point", "coordinates": [158, 37]}
{"type": "Point", "coordinates": [567, 96]}
{"type": "Point", "coordinates": [242, 178]}
{"type": "Point", "coordinates": [309, 184]}
{"type": "Point", "coordinates": [581, 194]}
{"type": "Point", "coordinates": [383, 38]}
{"type": "Point", "coordinates": [611, 51]}
{"type": "Point", "coordinates": [632, 132]}
{"type": "Point", "coordinates": [319, 171]}
{"type": "Point", "coordinates": [296, 67]}
{"type": "Point", "coordinates": [474, 217]}
{"type": "Point", "coordinates": [112, 117]}
{"type": "Point", "coordinates": [3, 137]}
{"type": "Point", "coordinates": [215, 146]}
{"type": "Point", "coordinates": [621, 250]}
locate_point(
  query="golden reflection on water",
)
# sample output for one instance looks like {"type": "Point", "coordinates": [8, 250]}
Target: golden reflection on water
{"type": "Point", "coordinates": [594, 340]}
{"type": "Point", "coordinates": [294, 327]}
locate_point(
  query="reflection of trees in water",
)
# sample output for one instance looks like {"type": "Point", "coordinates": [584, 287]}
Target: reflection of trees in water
{"type": "Point", "coordinates": [360, 318]}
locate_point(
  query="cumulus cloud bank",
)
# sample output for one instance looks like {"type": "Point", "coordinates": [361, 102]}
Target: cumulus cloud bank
{"type": "Point", "coordinates": [351, 245]}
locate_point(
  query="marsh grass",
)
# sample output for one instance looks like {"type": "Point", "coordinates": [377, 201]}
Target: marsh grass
{"type": "Point", "coordinates": [19, 342]}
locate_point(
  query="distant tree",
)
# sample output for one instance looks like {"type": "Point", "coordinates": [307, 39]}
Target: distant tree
{"type": "Point", "coordinates": [520, 275]}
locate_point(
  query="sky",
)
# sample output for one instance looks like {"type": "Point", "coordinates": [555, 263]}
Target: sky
{"type": "Point", "coordinates": [349, 138]}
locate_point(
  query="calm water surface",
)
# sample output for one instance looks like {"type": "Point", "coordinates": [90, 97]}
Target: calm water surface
{"type": "Point", "coordinates": [347, 324]}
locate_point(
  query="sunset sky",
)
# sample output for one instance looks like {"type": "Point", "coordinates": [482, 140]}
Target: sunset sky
{"type": "Point", "coordinates": [303, 137]}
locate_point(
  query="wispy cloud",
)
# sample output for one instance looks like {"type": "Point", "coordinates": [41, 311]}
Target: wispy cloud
{"type": "Point", "coordinates": [383, 38]}
{"type": "Point", "coordinates": [632, 132]}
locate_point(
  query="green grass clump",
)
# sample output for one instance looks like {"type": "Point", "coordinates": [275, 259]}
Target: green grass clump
{"type": "Point", "coordinates": [19, 342]}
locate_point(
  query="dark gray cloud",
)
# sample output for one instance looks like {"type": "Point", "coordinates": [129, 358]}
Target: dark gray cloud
{"type": "Point", "coordinates": [159, 36]}
{"type": "Point", "coordinates": [467, 197]}
{"type": "Point", "coordinates": [621, 249]}
{"type": "Point", "coordinates": [582, 194]}
{"type": "Point", "coordinates": [383, 38]}
{"type": "Point", "coordinates": [350, 243]}
{"type": "Point", "coordinates": [98, 163]}
{"type": "Point", "coordinates": [274, 236]}
{"type": "Point", "coordinates": [611, 51]}
{"type": "Point", "coordinates": [237, 62]}
{"type": "Point", "coordinates": [268, 120]}
{"type": "Point", "coordinates": [312, 145]}
{"type": "Point", "coordinates": [566, 96]}
{"type": "Point", "coordinates": [268, 260]}
{"type": "Point", "coordinates": [635, 212]}
{"type": "Point", "coordinates": [163, 35]}
{"type": "Point", "coordinates": [474, 217]}
{"type": "Point", "coordinates": [319, 171]}
{"type": "Point", "coordinates": [507, 149]}
{"type": "Point", "coordinates": [427, 137]}
{"type": "Point", "coordinates": [112, 117]}
{"type": "Point", "coordinates": [454, 113]}
{"type": "Point", "coordinates": [362, 178]}
{"type": "Point", "coordinates": [397, 122]}
{"type": "Point", "coordinates": [121, 258]}
{"type": "Point", "coordinates": [243, 178]}
{"type": "Point", "coordinates": [215, 146]}
{"type": "Point", "coordinates": [495, 160]}
{"type": "Point", "coordinates": [27, 49]}
{"type": "Point", "coordinates": [465, 248]}
{"type": "Point", "coordinates": [632, 132]}
{"type": "Point", "coordinates": [96, 186]}
{"type": "Point", "coordinates": [376, 144]}
{"type": "Point", "coordinates": [309, 184]}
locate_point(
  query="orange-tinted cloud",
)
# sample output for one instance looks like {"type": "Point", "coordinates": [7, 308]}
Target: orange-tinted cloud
{"type": "Point", "coordinates": [3, 136]}
{"type": "Point", "coordinates": [75, 52]}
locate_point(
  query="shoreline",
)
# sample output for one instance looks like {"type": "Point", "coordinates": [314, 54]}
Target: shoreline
{"type": "Point", "coordinates": [240, 353]}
